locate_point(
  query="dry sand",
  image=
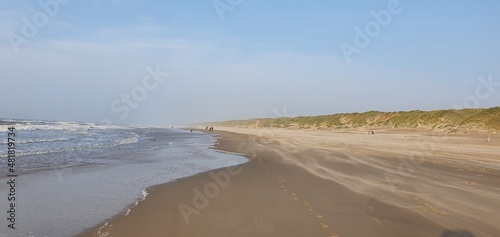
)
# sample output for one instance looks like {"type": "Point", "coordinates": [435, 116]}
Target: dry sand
{"type": "Point", "coordinates": [330, 183]}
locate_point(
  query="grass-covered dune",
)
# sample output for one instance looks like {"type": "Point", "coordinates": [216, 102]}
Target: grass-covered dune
{"type": "Point", "coordinates": [442, 120]}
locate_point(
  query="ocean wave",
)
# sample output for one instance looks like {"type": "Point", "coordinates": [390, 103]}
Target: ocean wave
{"type": "Point", "coordinates": [39, 140]}
{"type": "Point", "coordinates": [59, 126]}
{"type": "Point", "coordinates": [123, 141]}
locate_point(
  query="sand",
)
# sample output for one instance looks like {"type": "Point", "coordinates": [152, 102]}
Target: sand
{"type": "Point", "coordinates": [330, 183]}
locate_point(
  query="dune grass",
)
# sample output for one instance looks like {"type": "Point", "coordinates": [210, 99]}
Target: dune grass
{"type": "Point", "coordinates": [443, 120]}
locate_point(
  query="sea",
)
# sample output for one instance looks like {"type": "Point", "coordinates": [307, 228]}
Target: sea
{"type": "Point", "coordinates": [72, 176]}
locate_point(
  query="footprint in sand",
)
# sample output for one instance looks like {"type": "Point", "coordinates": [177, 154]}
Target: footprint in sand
{"type": "Point", "coordinates": [310, 209]}
{"type": "Point", "coordinates": [306, 203]}
{"type": "Point", "coordinates": [323, 225]}
{"type": "Point", "coordinates": [294, 198]}
{"type": "Point", "coordinates": [319, 216]}
{"type": "Point", "coordinates": [333, 234]}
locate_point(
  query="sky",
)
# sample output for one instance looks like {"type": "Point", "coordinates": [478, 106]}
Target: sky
{"type": "Point", "coordinates": [179, 62]}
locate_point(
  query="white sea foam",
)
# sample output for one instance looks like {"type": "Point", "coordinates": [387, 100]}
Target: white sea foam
{"type": "Point", "coordinates": [102, 234]}
{"type": "Point", "coordinates": [123, 141]}
{"type": "Point", "coordinates": [127, 212]}
{"type": "Point", "coordinates": [56, 137]}
{"type": "Point", "coordinates": [144, 194]}
{"type": "Point", "coordinates": [58, 126]}
{"type": "Point", "coordinates": [110, 180]}
{"type": "Point", "coordinates": [39, 140]}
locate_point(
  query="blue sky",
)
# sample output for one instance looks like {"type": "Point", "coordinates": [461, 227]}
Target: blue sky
{"type": "Point", "coordinates": [256, 60]}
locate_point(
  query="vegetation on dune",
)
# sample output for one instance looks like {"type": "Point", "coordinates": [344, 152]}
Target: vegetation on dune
{"type": "Point", "coordinates": [442, 120]}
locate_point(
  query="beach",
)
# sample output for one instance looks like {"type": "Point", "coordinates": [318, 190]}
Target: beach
{"type": "Point", "coordinates": [71, 176]}
{"type": "Point", "coordinates": [329, 183]}
{"type": "Point", "coordinates": [233, 118]}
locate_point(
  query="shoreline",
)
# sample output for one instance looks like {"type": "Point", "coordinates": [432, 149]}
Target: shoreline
{"type": "Point", "coordinates": [97, 230]}
{"type": "Point", "coordinates": [273, 196]}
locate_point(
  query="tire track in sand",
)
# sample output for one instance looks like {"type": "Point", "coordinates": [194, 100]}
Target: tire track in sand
{"type": "Point", "coordinates": [280, 182]}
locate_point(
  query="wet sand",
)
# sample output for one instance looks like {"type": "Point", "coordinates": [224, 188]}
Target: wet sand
{"type": "Point", "coordinates": [330, 183]}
